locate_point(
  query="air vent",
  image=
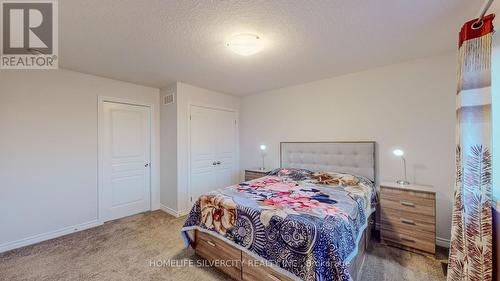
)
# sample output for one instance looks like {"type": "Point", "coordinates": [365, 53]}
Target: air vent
{"type": "Point", "coordinates": [168, 99]}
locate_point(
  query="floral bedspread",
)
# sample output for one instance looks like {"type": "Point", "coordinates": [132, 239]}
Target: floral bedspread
{"type": "Point", "coordinates": [306, 223]}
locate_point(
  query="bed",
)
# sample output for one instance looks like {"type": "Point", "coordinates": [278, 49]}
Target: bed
{"type": "Point", "coordinates": [308, 220]}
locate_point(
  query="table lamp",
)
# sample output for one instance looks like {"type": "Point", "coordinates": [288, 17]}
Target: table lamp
{"type": "Point", "coordinates": [263, 154]}
{"type": "Point", "coordinates": [401, 153]}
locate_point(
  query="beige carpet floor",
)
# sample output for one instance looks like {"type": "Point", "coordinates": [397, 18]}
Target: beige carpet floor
{"type": "Point", "coordinates": [127, 249]}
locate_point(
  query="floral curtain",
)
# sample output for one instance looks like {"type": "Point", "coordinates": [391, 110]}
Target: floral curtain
{"type": "Point", "coordinates": [471, 239]}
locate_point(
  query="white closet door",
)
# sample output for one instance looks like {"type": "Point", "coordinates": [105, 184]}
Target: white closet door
{"type": "Point", "coordinates": [225, 149]}
{"type": "Point", "coordinates": [125, 166]}
{"type": "Point", "coordinates": [202, 151]}
{"type": "Point", "coordinates": [213, 150]}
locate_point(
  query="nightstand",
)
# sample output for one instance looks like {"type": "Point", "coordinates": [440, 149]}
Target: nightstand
{"type": "Point", "coordinates": [251, 174]}
{"type": "Point", "coordinates": [408, 217]}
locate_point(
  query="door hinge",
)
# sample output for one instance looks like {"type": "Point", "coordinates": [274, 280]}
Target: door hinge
{"type": "Point", "coordinates": [191, 198]}
{"type": "Point", "coordinates": [190, 117]}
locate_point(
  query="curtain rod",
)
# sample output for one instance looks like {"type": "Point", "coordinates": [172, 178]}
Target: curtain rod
{"type": "Point", "coordinates": [483, 10]}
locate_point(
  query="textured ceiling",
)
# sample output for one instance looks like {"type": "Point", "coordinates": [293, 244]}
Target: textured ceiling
{"type": "Point", "coordinates": [156, 42]}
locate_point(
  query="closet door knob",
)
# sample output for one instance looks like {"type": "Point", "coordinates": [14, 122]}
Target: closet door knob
{"type": "Point", "coordinates": [214, 163]}
{"type": "Point", "coordinates": [218, 162]}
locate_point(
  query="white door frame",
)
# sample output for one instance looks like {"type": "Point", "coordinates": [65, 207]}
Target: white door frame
{"type": "Point", "coordinates": [237, 146]}
{"type": "Point", "coordinates": [155, 163]}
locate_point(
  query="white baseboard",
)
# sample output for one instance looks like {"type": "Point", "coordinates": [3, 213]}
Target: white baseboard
{"type": "Point", "coordinates": [173, 212]}
{"type": "Point", "coordinates": [47, 236]}
{"type": "Point", "coordinates": [443, 242]}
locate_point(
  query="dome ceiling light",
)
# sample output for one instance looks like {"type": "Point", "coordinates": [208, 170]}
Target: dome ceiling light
{"type": "Point", "coordinates": [245, 44]}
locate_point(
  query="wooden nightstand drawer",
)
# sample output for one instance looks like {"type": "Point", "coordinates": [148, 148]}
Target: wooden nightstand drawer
{"type": "Point", "coordinates": [409, 201]}
{"type": "Point", "coordinates": [397, 219]}
{"type": "Point", "coordinates": [413, 240]}
{"type": "Point", "coordinates": [412, 206]}
{"type": "Point", "coordinates": [402, 192]}
{"type": "Point", "coordinates": [255, 174]}
{"type": "Point", "coordinates": [251, 176]}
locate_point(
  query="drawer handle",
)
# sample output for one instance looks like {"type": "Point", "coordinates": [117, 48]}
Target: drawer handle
{"type": "Point", "coordinates": [272, 277]}
{"type": "Point", "coordinates": [406, 203]}
{"type": "Point", "coordinates": [407, 239]}
{"type": "Point", "coordinates": [210, 243]}
{"type": "Point", "coordinates": [407, 221]}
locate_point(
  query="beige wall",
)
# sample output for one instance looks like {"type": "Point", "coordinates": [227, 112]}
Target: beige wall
{"type": "Point", "coordinates": [409, 105]}
{"type": "Point", "coordinates": [48, 151]}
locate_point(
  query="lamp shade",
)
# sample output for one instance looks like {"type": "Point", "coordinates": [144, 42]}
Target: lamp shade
{"type": "Point", "coordinates": [398, 152]}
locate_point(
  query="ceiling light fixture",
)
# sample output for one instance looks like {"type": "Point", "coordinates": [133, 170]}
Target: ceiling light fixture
{"type": "Point", "coordinates": [245, 44]}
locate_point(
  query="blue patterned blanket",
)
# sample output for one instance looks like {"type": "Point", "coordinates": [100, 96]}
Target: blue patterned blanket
{"type": "Point", "coordinates": [308, 224]}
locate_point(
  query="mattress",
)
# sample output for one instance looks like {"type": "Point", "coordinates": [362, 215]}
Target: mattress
{"type": "Point", "coordinates": [308, 224]}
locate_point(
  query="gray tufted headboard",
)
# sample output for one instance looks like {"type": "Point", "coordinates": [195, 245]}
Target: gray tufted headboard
{"type": "Point", "coordinates": [345, 157]}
